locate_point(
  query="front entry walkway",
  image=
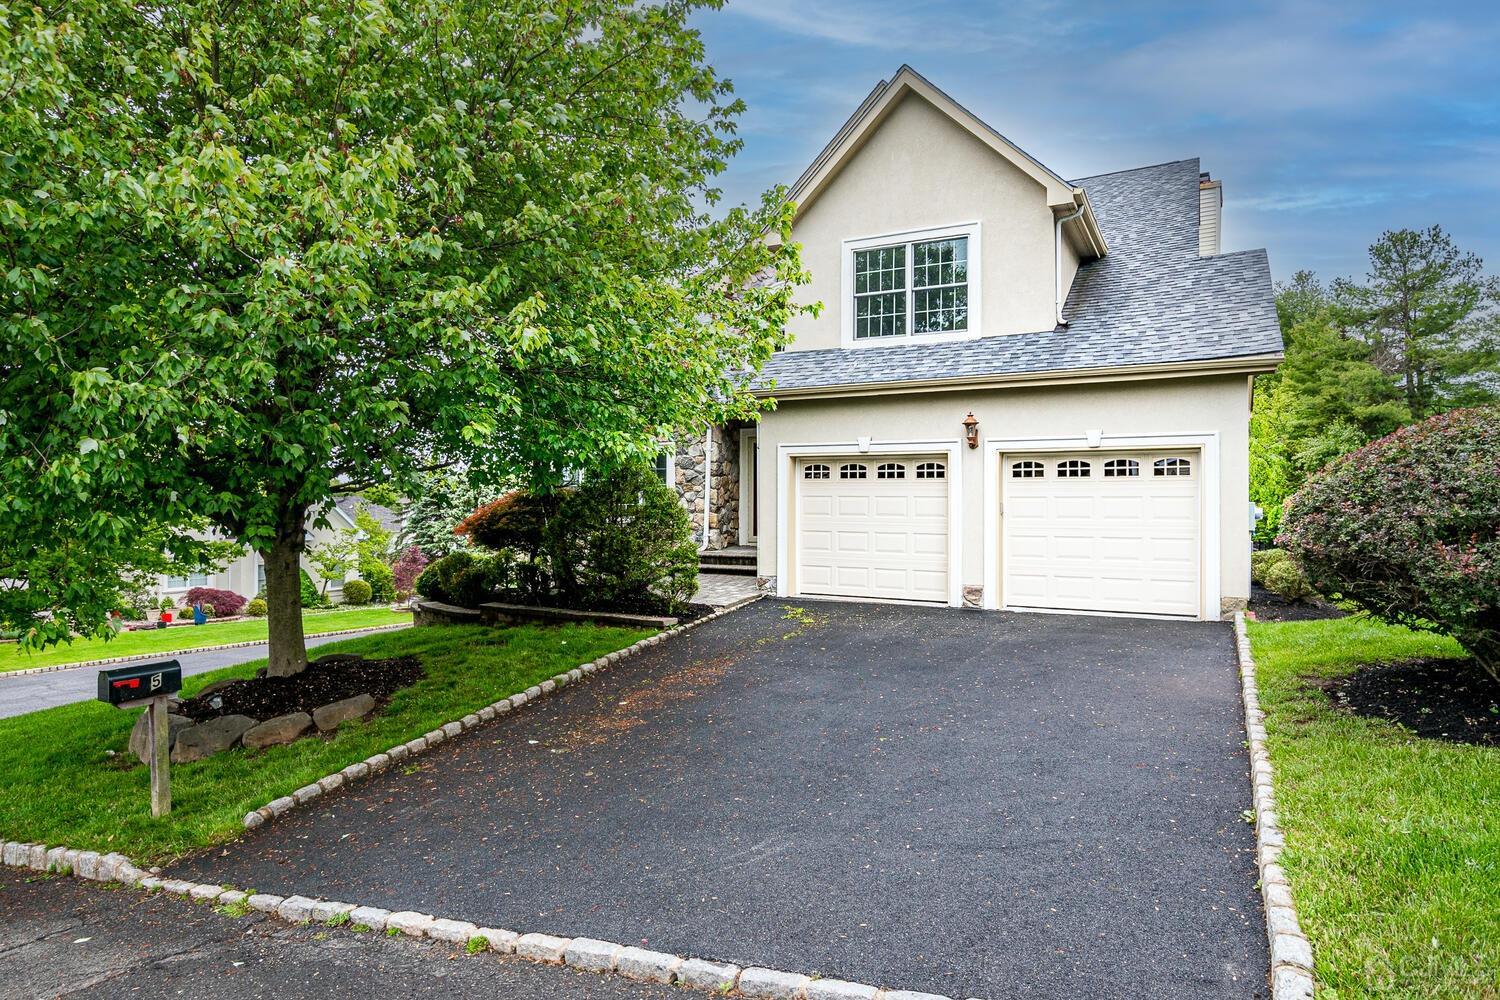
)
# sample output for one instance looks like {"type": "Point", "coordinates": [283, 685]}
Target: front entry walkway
{"type": "Point", "coordinates": [723, 589]}
{"type": "Point", "coordinates": [971, 804]}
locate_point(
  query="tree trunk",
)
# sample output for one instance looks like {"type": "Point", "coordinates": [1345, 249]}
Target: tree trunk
{"type": "Point", "coordinates": [288, 652]}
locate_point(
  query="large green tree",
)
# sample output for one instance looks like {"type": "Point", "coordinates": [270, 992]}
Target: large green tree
{"type": "Point", "coordinates": [259, 254]}
{"type": "Point", "coordinates": [1427, 313]}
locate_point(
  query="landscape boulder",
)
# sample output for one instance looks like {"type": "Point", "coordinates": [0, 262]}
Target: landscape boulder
{"type": "Point", "coordinates": [209, 738]}
{"type": "Point", "coordinates": [138, 746]}
{"type": "Point", "coordinates": [282, 729]}
{"type": "Point", "coordinates": [337, 713]}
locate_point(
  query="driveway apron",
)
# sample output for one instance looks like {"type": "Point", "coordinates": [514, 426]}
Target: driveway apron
{"type": "Point", "coordinates": [975, 804]}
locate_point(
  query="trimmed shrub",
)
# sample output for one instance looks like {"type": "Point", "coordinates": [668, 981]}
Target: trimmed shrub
{"type": "Point", "coordinates": [381, 579]}
{"type": "Point", "coordinates": [622, 541]}
{"type": "Point", "coordinates": [256, 608]}
{"type": "Point", "coordinates": [356, 592]}
{"type": "Point", "coordinates": [1408, 528]}
{"type": "Point", "coordinates": [515, 524]}
{"type": "Point", "coordinates": [226, 603]}
{"type": "Point", "coordinates": [407, 567]}
{"type": "Point", "coordinates": [1262, 561]}
{"type": "Point", "coordinates": [1286, 579]}
{"type": "Point", "coordinates": [463, 579]}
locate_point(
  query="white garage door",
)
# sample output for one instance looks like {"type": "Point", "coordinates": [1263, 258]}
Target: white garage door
{"type": "Point", "coordinates": [1102, 531]}
{"type": "Point", "coordinates": [873, 527]}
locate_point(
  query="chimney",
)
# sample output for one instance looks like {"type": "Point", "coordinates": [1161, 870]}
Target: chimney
{"type": "Point", "coordinates": [1210, 214]}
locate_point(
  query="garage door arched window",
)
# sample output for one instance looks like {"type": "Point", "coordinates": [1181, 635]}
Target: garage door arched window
{"type": "Point", "coordinates": [816, 471]}
{"type": "Point", "coordinates": [931, 470]}
{"type": "Point", "coordinates": [853, 470]}
{"type": "Point", "coordinates": [1073, 468]}
{"type": "Point", "coordinates": [1028, 470]}
{"type": "Point", "coordinates": [1172, 467]}
{"type": "Point", "coordinates": [890, 470]}
{"type": "Point", "coordinates": [1118, 468]}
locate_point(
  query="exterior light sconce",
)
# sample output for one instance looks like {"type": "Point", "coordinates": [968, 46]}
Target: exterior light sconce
{"type": "Point", "coordinates": [971, 430]}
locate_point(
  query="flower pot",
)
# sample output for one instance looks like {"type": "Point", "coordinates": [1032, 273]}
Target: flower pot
{"type": "Point", "coordinates": [153, 615]}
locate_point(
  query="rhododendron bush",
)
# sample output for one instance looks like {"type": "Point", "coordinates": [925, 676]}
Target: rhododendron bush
{"type": "Point", "coordinates": [1408, 528]}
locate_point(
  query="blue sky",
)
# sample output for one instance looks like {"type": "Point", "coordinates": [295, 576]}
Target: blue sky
{"type": "Point", "coordinates": [1328, 123]}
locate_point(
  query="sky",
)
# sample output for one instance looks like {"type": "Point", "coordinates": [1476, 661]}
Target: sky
{"type": "Point", "coordinates": [1328, 123]}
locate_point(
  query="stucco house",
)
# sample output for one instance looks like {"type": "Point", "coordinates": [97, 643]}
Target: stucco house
{"type": "Point", "coordinates": [1022, 392]}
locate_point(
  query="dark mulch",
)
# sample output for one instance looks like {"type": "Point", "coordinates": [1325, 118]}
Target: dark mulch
{"type": "Point", "coordinates": [326, 679]}
{"type": "Point", "coordinates": [1266, 606]}
{"type": "Point", "coordinates": [1449, 700]}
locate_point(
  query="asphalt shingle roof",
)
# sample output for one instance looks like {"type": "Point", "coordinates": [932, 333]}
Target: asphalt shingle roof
{"type": "Point", "coordinates": [1151, 300]}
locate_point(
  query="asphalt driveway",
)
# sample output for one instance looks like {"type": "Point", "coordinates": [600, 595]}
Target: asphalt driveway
{"type": "Point", "coordinates": [975, 804]}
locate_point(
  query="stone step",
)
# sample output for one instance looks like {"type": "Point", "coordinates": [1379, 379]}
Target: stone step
{"type": "Point", "coordinates": [726, 568]}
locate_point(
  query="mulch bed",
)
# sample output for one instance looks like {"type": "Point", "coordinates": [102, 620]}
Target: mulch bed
{"type": "Point", "coordinates": [1266, 606]}
{"type": "Point", "coordinates": [1450, 700]}
{"type": "Point", "coordinates": [326, 679]}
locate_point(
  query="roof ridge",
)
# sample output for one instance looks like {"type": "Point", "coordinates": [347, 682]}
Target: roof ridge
{"type": "Point", "coordinates": [1132, 170]}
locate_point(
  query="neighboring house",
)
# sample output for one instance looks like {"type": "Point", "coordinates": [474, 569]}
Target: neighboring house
{"type": "Point", "coordinates": [246, 573]}
{"type": "Point", "coordinates": [1022, 392]}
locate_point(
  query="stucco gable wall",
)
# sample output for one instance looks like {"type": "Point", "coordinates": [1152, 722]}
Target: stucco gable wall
{"type": "Point", "coordinates": [920, 169]}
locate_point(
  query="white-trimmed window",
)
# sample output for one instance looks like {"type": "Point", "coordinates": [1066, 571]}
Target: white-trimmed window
{"type": "Point", "coordinates": [1027, 470]}
{"type": "Point", "coordinates": [890, 470]}
{"type": "Point", "coordinates": [815, 471]}
{"type": "Point", "coordinates": [931, 470]}
{"type": "Point", "coordinates": [912, 287]}
{"type": "Point", "coordinates": [1121, 468]}
{"type": "Point", "coordinates": [854, 470]}
{"type": "Point", "coordinates": [187, 582]}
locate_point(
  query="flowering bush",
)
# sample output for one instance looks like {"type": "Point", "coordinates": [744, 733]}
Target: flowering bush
{"type": "Point", "coordinates": [407, 567]}
{"type": "Point", "coordinates": [226, 603]}
{"type": "Point", "coordinates": [1408, 528]}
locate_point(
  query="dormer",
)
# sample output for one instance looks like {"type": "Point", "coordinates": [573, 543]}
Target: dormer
{"type": "Point", "coordinates": [921, 224]}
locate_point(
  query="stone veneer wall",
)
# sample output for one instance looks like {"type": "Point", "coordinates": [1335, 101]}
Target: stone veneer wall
{"type": "Point", "coordinates": [724, 492]}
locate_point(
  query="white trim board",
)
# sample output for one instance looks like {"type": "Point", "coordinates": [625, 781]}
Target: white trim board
{"type": "Point", "coordinates": [787, 480]}
{"type": "Point", "coordinates": [1211, 514]}
{"type": "Point", "coordinates": [749, 450]}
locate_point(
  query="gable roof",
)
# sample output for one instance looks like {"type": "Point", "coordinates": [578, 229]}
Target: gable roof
{"type": "Point", "coordinates": [1062, 196]}
{"type": "Point", "coordinates": [1151, 303]}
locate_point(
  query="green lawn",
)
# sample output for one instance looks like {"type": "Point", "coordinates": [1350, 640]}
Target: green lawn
{"type": "Point", "coordinates": [61, 787]}
{"type": "Point", "coordinates": [1393, 841]}
{"type": "Point", "coordinates": [177, 639]}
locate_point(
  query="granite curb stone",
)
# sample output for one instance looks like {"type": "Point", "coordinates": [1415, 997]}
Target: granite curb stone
{"type": "Point", "coordinates": [1291, 952]}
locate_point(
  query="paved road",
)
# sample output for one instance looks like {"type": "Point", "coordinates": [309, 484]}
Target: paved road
{"type": "Point", "coordinates": [61, 937]}
{"type": "Point", "coordinates": [28, 693]}
{"type": "Point", "coordinates": [974, 804]}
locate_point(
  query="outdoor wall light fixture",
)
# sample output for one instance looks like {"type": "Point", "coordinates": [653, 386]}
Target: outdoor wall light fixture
{"type": "Point", "coordinates": [971, 430]}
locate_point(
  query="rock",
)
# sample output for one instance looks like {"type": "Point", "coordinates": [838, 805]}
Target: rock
{"type": "Point", "coordinates": [175, 725]}
{"type": "Point", "coordinates": [282, 729]}
{"type": "Point", "coordinates": [209, 738]}
{"type": "Point", "coordinates": [336, 714]}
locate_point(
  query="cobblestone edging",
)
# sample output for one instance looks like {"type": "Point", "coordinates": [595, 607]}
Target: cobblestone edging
{"type": "Point", "coordinates": [1291, 953]}
{"type": "Point", "coordinates": [376, 763]}
{"type": "Point", "coordinates": [29, 671]}
{"type": "Point", "coordinates": [582, 954]}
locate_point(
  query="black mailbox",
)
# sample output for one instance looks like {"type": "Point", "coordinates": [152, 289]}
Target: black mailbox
{"type": "Point", "coordinates": [139, 682]}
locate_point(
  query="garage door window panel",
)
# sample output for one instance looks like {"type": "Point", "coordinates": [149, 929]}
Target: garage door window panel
{"type": "Point", "coordinates": [1028, 470]}
{"type": "Point", "coordinates": [890, 470]}
{"type": "Point", "coordinates": [1121, 468]}
{"type": "Point", "coordinates": [1172, 467]}
{"type": "Point", "coordinates": [816, 472]}
{"type": "Point", "coordinates": [932, 470]}
{"type": "Point", "coordinates": [853, 471]}
{"type": "Point", "coordinates": [1073, 469]}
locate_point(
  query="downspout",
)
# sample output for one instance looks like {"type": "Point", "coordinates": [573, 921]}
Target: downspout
{"type": "Point", "coordinates": [1057, 288]}
{"type": "Point", "coordinates": [708, 478]}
